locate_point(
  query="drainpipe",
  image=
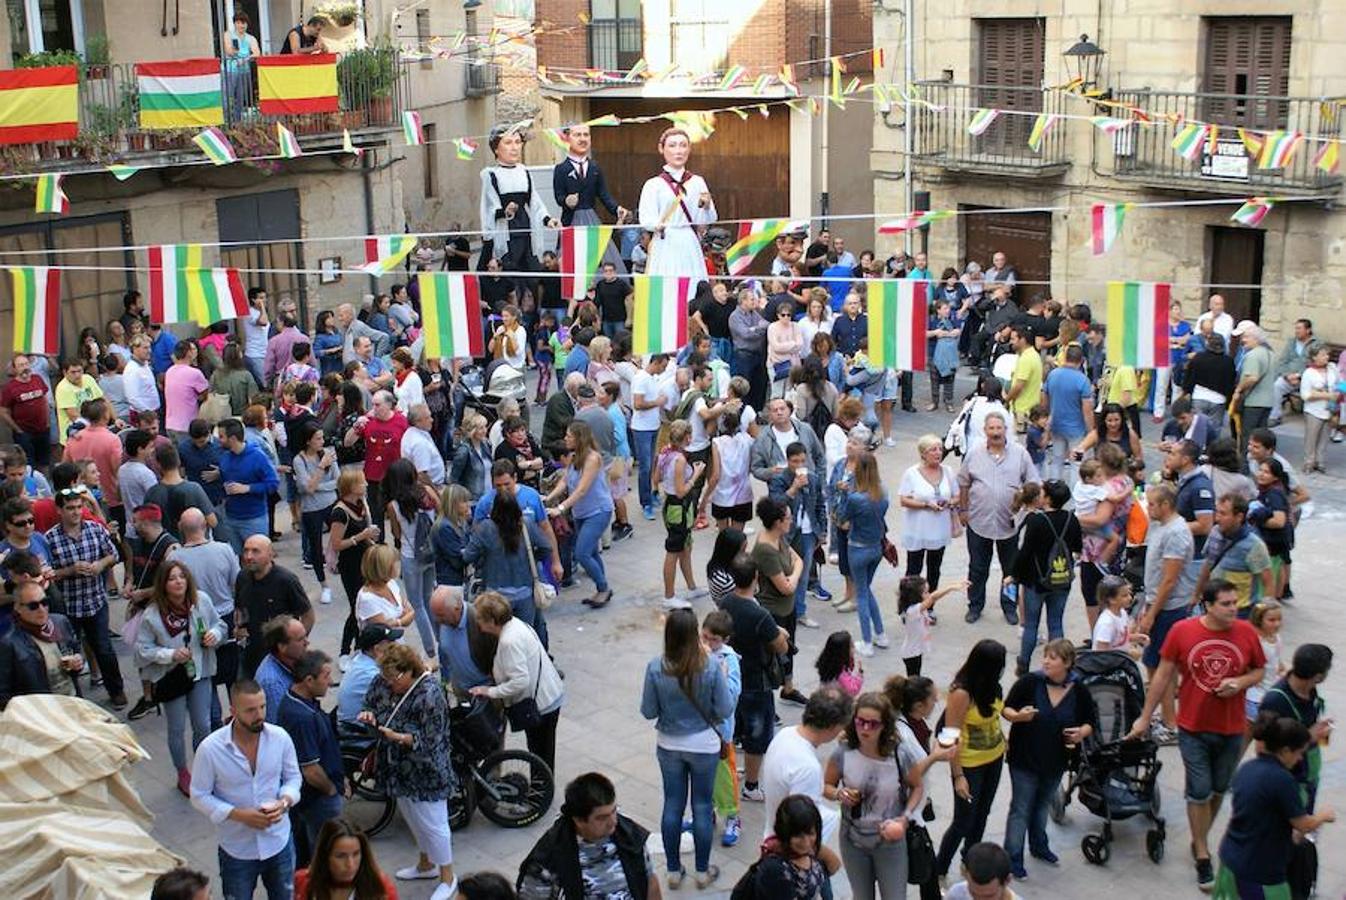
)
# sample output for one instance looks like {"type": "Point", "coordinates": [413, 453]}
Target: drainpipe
{"type": "Point", "coordinates": [908, 141]}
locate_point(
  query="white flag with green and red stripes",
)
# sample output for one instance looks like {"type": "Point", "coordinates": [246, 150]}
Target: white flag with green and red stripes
{"type": "Point", "coordinates": [383, 254]}
{"type": "Point", "coordinates": [451, 315]}
{"type": "Point", "coordinates": [898, 317]}
{"type": "Point", "coordinates": [1138, 324]}
{"type": "Point", "coordinates": [582, 249]}
{"type": "Point", "coordinates": [659, 315]}
{"type": "Point", "coordinates": [37, 300]}
{"type": "Point", "coordinates": [183, 290]}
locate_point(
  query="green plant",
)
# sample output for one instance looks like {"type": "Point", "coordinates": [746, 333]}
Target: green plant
{"type": "Point", "coordinates": [48, 58]}
{"type": "Point", "coordinates": [108, 121]}
{"type": "Point", "coordinates": [371, 72]}
{"type": "Point", "coordinates": [342, 12]}
{"type": "Point", "coordinates": [97, 51]}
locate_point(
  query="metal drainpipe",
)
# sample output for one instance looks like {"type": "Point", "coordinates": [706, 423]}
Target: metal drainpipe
{"type": "Point", "coordinates": [367, 170]}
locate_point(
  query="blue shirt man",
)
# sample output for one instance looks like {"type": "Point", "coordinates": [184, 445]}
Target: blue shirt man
{"type": "Point", "coordinates": [200, 455]}
{"type": "Point", "coordinates": [373, 639]}
{"type": "Point", "coordinates": [1069, 395]}
{"type": "Point", "coordinates": [529, 500]}
{"type": "Point", "coordinates": [161, 349]}
{"type": "Point", "coordinates": [246, 474]}
{"type": "Point", "coordinates": [457, 628]}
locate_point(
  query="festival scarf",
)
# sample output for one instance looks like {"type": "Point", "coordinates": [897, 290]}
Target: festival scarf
{"type": "Point", "coordinates": [45, 632]}
{"type": "Point", "coordinates": [402, 376]}
{"type": "Point", "coordinates": [679, 189]}
{"type": "Point", "coordinates": [176, 620]}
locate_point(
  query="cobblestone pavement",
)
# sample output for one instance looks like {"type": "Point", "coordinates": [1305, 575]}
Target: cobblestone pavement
{"type": "Point", "coordinates": [603, 654]}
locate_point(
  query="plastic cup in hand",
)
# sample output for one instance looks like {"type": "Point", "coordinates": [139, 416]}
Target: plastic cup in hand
{"type": "Point", "coordinates": [947, 737]}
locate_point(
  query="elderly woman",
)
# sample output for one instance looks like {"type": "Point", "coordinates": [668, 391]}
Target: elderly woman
{"type": "Point", "coordinates": [600, 361]}
{"type": "Point", "coordinates": [519, 447]}
{"type": "Point", "coordinates": [526, 682]}
{"type": "Point", "coordinates": [784, 344]}
{"type": "Point", "coordinates": [1050, 716]}
{"type": "Point", "coordinates": [411, 712]}
{"type": "Point", "coordinates": [926, 494]}
{"type": "Point", "coordinates": [471, 466]}
{"type": "Point", "coordinates": [175, 649]}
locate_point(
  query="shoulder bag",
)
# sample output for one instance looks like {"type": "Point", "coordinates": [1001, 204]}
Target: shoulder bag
{"type": "Point", "coordinates": [920, 848]}
{"type": "Point", "coordinates": [543, 593]}
{"type": "Point", "coordinates": [691, 698]}
{"type": "Point", "coordinates": [524, 714]}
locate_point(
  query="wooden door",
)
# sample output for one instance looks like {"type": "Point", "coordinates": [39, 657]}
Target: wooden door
{"type": "Point", "coordinates": [1236, 258]}
{"type": "Point", "coordinates": [1024, 238]}
{"type": "Point", "coordinates": [1009, 66]}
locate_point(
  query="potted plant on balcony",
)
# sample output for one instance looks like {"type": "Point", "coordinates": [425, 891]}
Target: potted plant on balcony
{"type": "Point", "coordinates": [367, 79]}
{"type": "Point", "coordinates": [48, 58]}
{"type": "Point", "coordinates": [255, 140]}
{"type": "Point", "coordinates": [342, 13]}
{"type": "Point", "coordinates": [112, 123]}
{"type": "Point", "coordinates": [97, 56]}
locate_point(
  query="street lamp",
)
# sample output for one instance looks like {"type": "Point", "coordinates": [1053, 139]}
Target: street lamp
{"type": "Point", "coordinates": [1084, 59]}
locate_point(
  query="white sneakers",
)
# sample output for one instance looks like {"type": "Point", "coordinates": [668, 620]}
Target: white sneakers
{"type": "Point", "coordinates": [411, 873]}
{"type": "Point", "coordinates": [696, 594]}
{"type": "Point", "coordinates": [881, 641]}
{"type": "Point", "coordinates": [344, 661]}
{"type": "Point", "coordinates": [446, 891]}
{"type": "Point", "coordinates": [677, 601]}
{"type": "Point", "coordinates": [326, 597]}
{"type": "Point", "coordinates": [864, 648]}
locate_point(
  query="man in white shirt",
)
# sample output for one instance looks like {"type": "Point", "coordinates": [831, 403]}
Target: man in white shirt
{"type": "Point", "coordinates": [646, 403]}
{"type": "Point", "coordinates": [791, 764]}
{"type": "Point", "coordinates": [419, 447]}
{"type": "Point", "coordinates": [142, 392]}
{"type": "Point", "coordinates": [1221, 321]}
{"type": "Point", "coordinates": [245, 779]}
{"type": "Point", "coordinates": [256, 332]}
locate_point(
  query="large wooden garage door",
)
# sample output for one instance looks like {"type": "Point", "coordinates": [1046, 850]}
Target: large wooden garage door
{"type": "Point", "coordinates": [1024, 238]}
{"type": "Point", "coordinates": [746, 163]}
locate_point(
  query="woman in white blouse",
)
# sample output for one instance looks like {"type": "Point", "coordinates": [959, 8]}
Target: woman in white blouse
{"type": "Point", "coordinates": [381, 599]}
{"type": "Point", "coordinates": [927, 493]}
{"type": "Point", "coordinates": [818, 318]}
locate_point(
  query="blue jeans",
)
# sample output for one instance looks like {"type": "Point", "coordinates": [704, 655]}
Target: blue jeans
{"type": "Point", "coordinates": [645, 460]}
{"type": "Point", "coordinates": [306, 820]}
{"type": "Point", "coordinates": [195, 704]}
{"type": "Point", "coordinates": [419, 579]}
{"type": "Point", "coordinates": [588, 532]}
{"type": "Point", "coordinates": [612, 329]}
{"type": "Point", "coordinates": [682, 770]}
{"type": "Point", "coordinates": [722, 349]}
{"type": "Point", "coordinates": [242, 529]}
{"type": "Point", "coordinates": [979, 566]}
{"type": "Point", "coordinates": [1035, 601]}
{"type": "Point", "coordinates": [254, 367]}
{"type": "Point", "coordinates": [864, 560]}
{"type": "Point", "coordinates": [804, 545]}
{"type": "Point", "coordinates": [1030, 797]}
{"type": "Point", "coordinates": [238, 877]}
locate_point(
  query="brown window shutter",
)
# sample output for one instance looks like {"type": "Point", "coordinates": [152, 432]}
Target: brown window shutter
{"type": "Point", "coordinates": [1250, 56]}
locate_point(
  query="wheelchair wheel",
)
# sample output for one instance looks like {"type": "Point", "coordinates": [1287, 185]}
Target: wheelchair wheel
{"type": "Point", "coordinates": [514, 788]}
{"type": "Point", "coordinates": [463, 800]}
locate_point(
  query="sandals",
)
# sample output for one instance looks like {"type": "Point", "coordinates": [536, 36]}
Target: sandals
{"type": "Point", "coordinates": [595, 602]}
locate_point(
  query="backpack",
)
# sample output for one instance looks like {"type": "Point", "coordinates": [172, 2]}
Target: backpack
{"type": "Point", "coordinates": [819, 418]}
{"type": "Point", "coordinates": [1060, 563]}
{"type": "Point", "coordinates": [422, 549]}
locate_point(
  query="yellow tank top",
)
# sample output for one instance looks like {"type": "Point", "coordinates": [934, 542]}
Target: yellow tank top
{"type": "Point", "coordinates": [982, 739]}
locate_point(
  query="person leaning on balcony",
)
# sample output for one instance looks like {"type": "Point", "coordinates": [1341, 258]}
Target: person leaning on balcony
{"type": "Point", "coordinates": [239, 48]}
{"type": "Point", "coordinates": [305, 38]}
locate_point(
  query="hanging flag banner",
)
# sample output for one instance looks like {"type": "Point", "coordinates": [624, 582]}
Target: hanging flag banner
{"type": "Point", "coordinates": [659, 314]}
{"type": "Point", "coordinates": [1190, 142]}
{"type": "Point", "coordinates": [582, 249]}
{"type": "Point", "coordinates": [37, 303]}
{"type": "Point", "coordinates": [383, 254]}
{"type": "Point", "coordinates": [1253, 211]}
{"type": "Point", "coordinates": [1279, 149]}
{"type": "Point", "coordinates": [295, 84]}
{"type": "Point", "coordinates": [1109, 124]}
{"type": "Point", "coordinates": [181, 94]}
{"type": "Point", "coordinates": [121, 172]}
{"type": "Point", "coordinates": [348, 145]}
{"type": "Point", "coordinates": [604, 120]}
{"type": "Point", "coordinates": [637, 70]}
{"type": "Point", "coordinates": [732, 78]}
{"type": "Point", "coordinates": [553, 136]}
{"type": "Point", "coordinates": [915, 220]}
{"type": "Point", "coordinates": [1328, 158]}
{"type": "Point", "coordinates": [1105, 225]}
{"type": "Point", "coordinates": [182, 291]}
{"type": "Point", "coordinates": [834, 94]}
{"type": "Point", "coordinates": [1252, 142]}
{"type": "Point", "coordinates": [465, 147]}
{"type": "Point", "coordinates": [216, 147]}
{"type": "Point", "coordinates": [981, 120]}
{"type": "Point", "coordinates": [49, 197]}
{"type": "Point", "coordinates": [451, 315]}
{"type": "Point", "coordinates": [1041, 125]}
{"type": "Point", "coordinates": [39, 105]}
{"type": "Point", "coordinates": [411, 128]}
{"type": "Point", "coordinates": [753, 238]}
{"type": "Point", "coordinates": [289, 144]}
{"type": "Point", "coordinates": [760, 85]}
{"type": "Point", "coordinates": [876, 59]}
{"type": "Point", "coordinates": [898, 316]}
{"type": "Point", "coordinates": [787, 79]}
{"type": "Point", "coordinates": [1137, 324]}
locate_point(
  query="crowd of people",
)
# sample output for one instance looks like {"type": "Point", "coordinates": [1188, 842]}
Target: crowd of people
{"type": "Point", "coordinates": [158, 487]}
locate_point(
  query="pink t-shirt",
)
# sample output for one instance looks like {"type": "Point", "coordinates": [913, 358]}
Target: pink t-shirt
{"type": "Point", "coordinates": [183, 385]}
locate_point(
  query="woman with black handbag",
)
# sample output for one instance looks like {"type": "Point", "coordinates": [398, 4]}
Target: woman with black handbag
{"type": "Point", "coordinates": [526, 682]}
{"type": "Point", "coordinates": [175, 649]}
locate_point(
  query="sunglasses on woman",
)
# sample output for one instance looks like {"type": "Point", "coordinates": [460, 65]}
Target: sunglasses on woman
{"type": "Point", "coordinates": [868, 724]}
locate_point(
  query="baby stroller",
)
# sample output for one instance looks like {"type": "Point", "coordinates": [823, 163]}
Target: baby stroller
{"type": "Point", "coordinates": [1115, 778]}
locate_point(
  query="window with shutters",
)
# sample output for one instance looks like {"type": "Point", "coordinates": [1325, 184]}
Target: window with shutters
{"type": "Point", "coordinates": [1246, 70]}
{"type": "Point", "coordinates": [1008, 65]}
{"type": "Point", "coordinates": [616, 41]}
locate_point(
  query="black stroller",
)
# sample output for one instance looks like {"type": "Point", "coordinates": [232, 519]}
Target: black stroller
{"type": "Point", "coordinates": [1115, 778]}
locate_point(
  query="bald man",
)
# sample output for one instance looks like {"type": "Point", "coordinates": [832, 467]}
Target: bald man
{"type": "Point", "coordinates": [262, 591]}
{"type": "Point", "coordinates": [465, 654]}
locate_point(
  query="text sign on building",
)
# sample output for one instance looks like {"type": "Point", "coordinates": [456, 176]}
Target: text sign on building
{"type": "Point", "coordinates": [1230, 160]}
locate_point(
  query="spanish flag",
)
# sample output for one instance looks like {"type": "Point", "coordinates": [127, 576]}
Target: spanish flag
{"type": "Point", "coordinates": [293, 85]}
{"type": "Point", "coordinates": [39, 105]}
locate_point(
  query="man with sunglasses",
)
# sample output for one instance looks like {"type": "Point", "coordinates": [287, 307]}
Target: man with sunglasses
{"type": "Point", "coordinates": [20, 533]}
{"type": "Point", "coordinates": [81, 552]}
{"type": "Point", "coordinates": [41, 654]}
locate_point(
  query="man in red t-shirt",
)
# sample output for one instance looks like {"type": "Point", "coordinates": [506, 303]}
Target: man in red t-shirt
{"type": "Point", "coordinates": [24, 407]}
{"type": "Point", "coordinates": [1219, 657]}
{"type": "Point", "coordinates": [382, 431]}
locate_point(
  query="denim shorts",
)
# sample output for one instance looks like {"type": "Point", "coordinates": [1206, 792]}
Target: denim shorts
{"type": "Point", "coordinates": [891, 387]}
{"type": "Point", "coordinates": [757, 720]}
{"type": "Point", "coordinates": [1209, 761]}
{"type": "Point", "coordinates": [1164, 621]}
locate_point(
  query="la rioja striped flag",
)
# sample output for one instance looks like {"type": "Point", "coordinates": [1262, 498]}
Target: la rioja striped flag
{"type": "Point", "coordinates": [659, 316]}
{"type": "Point", "coordinates": [37, 300]}
{"type": "Point", "coordinates": [451, 315]}
{"type": "Point", "coordinates": [582, 249]}
{"type": "Point", "coordinates": [1138, 324]}
{"type": "Point", "coordinates": [898, 315]}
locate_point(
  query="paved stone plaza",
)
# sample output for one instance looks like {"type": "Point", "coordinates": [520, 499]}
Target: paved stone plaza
{"type": "Point", "coordinates": [603, 654]}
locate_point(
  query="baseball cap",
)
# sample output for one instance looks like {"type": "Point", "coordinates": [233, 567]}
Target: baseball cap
{"type": "Point", "coordinates": [376, 633]}
{"type": "Point", "coordinates": [1245, 326]}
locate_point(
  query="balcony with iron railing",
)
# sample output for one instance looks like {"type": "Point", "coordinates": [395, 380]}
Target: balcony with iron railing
{"type": "Point", "coordinates": [941, 138]}
{"type": "Point", "coordinates": [615, 45]}
{"type": "Point", "coordinates": [483, 76]}
{"type": "Point", "coordinates": [373, 87]}
{"type": "Point", "coordinates": [1146, 154]}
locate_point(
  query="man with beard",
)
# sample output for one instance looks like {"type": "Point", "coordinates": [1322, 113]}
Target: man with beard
{"type": "Point", "coordinates": [245, 779]}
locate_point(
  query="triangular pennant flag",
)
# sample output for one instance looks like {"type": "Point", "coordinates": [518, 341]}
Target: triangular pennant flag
{"type": "Point", "coordinates": [1328, 158]}
{"type": "Point", "coordinates": [981, 120]}
{"type": "Point", "coordinates": [1041, 125]}
{"type": "Point", "coordinates": [852, 86]}
{"type": "Point", "coordinates": [1279, 149]}
{"type": "Point", "coordinates": [289, 144]}
{"type": "Point", "coordinates": [50, 198]}
{"type": "Point", "coordinates": [466, 147]}
{"type": "Point", "coordinates": [1252, 142]}
{"type": "Point", "coordinates": [834, 94]}
{"type": "Point", "coordinates": [553, 137]}
{"type": "Point", "coordinates": [385, 253]}
{"type": "Point", "coordinates": [659, 314]}
{"type": "Point", "coordinates": [1109, 124]}
{"type": "Point", "coordinates": [764, 110]}
{"type": "Point", "coordinates": [732, 78]}
{"type": "Point", "coordinates": [740, 112]}
{"type": "Point", "coordinates": [915, 220]}
{"type": "Point", "coordinates": [760, 85]}
{"type": "Point", "coordinates": [876, 59]}
{"type": "Point", "coordinates": [37, 303]}
{"type": "Point", "coordinates": [604, 120]}
{"type": "Point", "coordinates": [638, 69]}
{"type": "Point", "coordinates": [182, 290]}
{"type": "Point", "coordinates": [216, 146]}
{"type": "Point", "coordinates": [754, 237]}
{"type": "Point", "coordinates": [1105, 225]}
{"type": "Point", "coordinates": [348, 145]}
{"type": "Point", "coordinates": [582, 249]}
{"type": "Point", "coordinates": [122, 172]}
{"type": "Point", "coordinates": [1138, 324]}
{"type": "Point", "coordinates": [451, 315]}
{"type": "Point", "coordinates": [898, 318]}
{"type": "Point", "coordinates": [411, 128]}
{"type": "Point", "coordinates": [1190, 142]}
{"type": "Point", "coordinates": [787, 79]}
{"type": "Point", "coordinates": [1253, 211]}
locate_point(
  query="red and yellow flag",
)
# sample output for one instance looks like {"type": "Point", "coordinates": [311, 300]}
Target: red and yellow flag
{"type": "Point", "coordinates": [39, 105]}
{"type": "Point", "coordinates": [292, 85]}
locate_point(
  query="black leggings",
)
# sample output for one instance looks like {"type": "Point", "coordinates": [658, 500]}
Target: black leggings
{"type": "Point", "coordinates": [348, 567]}
{"type": "Point", "coordinates": [542, 739]}
{"type": "Point", "coordinates": [969, 816]}
{"type": "Point", "coordinates": [932, 559]}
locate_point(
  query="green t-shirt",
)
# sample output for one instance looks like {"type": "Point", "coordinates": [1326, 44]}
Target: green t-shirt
{"type": "Point", "coordinates": [1028, 369]}
{"type": "Point", "coordinates": [1258, 362]}
{"type": "Point", "coordinates": [70, 397]}
{"type": "Point", "coordinates": [772, 561]}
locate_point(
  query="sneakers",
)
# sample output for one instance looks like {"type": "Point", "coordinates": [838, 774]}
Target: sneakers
{"type": "Point", "coordinates": [326, 597]}
{"type": "Point", "coordinates": [446, 891]}
{"type": "Point", "coordinates": [864, 648]}
{"type": "Point", "coordinates": [752, 795]}
{"type": "Point", "coordinates": [307, 565]}
{"type": "Point", "coordinates": [411, 873]}
{"type": "Point", "coordinates": [845, 606]}
{"type": "Point", "coordinates": [1019, 873]}
{"type": "Point", "coordinates": [1205, 876]}
{"type": "Point", "coordinates": [677, 601]}
{"type": "Point", "coordinates": [1048, 857]}
{"type": "Point", "coordinates": [705, 879]}
{"type": "Point", "coordinates": [649, 513]}
{"type": "Point", "coordinates": [809, 623]}
{"type": "Point", "coordinates": [971, 616]}
{"type": "Point", "coordinates": [1162, 734]}
{"type": "Point", "coordinates": [142, 708]}
{"type": "Point", "coordinates": [889, 442]}
{"type": "Point", "coordinates": [881, 641]}
{"type": "Point", "coordinates": [733, 827]}
{"type": "Point", "coordinates": [794, 696]}
{"type": "Point", "coordinates": [821, 593]}
{"type": "Point", "coordinates": [833, 559]}
{"type": "Point", "coordinates": [344, 661]}
{"type": "Point", "coordinates": [622, 531]}
{"type": "Point", "coordinates": [696, 593]}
